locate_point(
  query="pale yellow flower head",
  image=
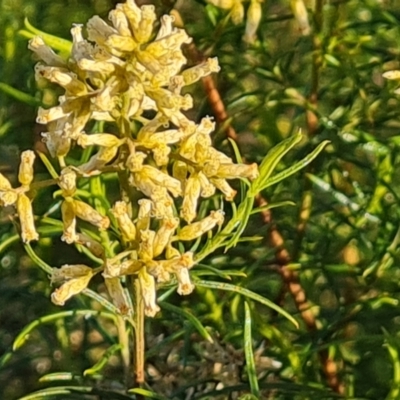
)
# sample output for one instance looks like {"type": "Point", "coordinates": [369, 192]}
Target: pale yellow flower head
{"type": "Point", "coordinates": [25, 175]}
{"type": "Point", "coordinates": [130, 72]}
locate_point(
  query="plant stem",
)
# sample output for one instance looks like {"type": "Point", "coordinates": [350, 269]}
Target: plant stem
{"type": "Point", "coordinates": [139, 334]}
{"type": "Point", "coordinates": [123, 338]}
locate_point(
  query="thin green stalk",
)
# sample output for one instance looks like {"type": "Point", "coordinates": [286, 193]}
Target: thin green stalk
{"type": "Point", "coordinates": [139, 334]}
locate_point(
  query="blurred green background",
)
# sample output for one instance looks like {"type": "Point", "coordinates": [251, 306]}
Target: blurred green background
{"type": "Point", "coordinates": [330, 85]}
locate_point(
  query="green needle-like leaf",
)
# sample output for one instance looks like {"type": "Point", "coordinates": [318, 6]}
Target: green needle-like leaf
{"type": "Point", "coordinates": [98, 367]}
{"type": "Point", "coordinates": [190, 317]}
{"type": "Point", "coordinates": [249, 294]}
{"type": "Point", "coordinates": [248, 352]}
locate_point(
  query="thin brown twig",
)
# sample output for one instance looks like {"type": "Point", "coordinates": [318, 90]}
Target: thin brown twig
{"type": "Point", "coordinates": [275, 239]}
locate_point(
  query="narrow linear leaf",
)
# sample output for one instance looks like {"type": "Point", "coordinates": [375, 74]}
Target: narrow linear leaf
{"type": "Point", "coordinates": [224, 274]}
{"type": "Point", "coordinates": [248, 352]}
{"type": "Point", "coordinates": [271, 160]}
{"type": "Point", "coordinates": [54, 42]}
{"type": "Point", "coordinates": [244, 212]}
{"type": "Point", "coordinates": [247, 293]}
{"type": "Point", "coordinates": [190, 317]}
{"type": "Point", "coordinates": [147, 393]}
{"type": "Point", "coordinates": [4, 245]}
{"type": "Point", "coordinates": [19, 95]}
{"type": "Point", "coordinates": [5, 358]}
{"type": "Point", "coordinates": [57, 376]}
{"type": "Point", "coordinates": [294, 168]}
{"type": "Point", "coordinates": [102, 300]}
{"type": "Point", "coordinates": [5, 128]}
{"type": "Point", "coordinates": [393, 350]}
{"type": "Point", "coordinates": [37, 260]}
{"type": "Point", "coordinates": [47, 393]}
{"type": "Point", "coordinates": [78, 391]}
{"type": "Point", "coordinates": [23, 336]}
{"type": "Point", "coordinates": [272, 205]}
{"type": "Point", "coordinates": [235, 147]}
{"type": "Point", "coordinates": [48, 165]}
{"type": "Point", "coordinates": [103, 360]}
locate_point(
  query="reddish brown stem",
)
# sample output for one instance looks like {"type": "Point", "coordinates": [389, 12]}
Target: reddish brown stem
{"type": "Point", "coordinates": [276, 240]}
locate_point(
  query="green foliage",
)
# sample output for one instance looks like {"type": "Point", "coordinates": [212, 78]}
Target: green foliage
{"type": "Point", "coordinates": [333, 193]}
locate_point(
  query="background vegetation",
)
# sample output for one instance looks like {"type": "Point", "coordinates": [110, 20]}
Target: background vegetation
{"type": "Point", "coordinates": [331, 260]}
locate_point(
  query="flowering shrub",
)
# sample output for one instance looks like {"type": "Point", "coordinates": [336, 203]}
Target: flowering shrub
{"type": "Point", "coordinates": [121, 118]}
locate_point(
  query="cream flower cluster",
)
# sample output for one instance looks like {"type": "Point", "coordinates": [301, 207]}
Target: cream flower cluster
{"type": "Point", "coordinates": [118, 73]}
{"type": "Point", "coordinates": [17, 197]}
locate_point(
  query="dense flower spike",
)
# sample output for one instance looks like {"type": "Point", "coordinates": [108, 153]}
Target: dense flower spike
{"type": "Point", "coordinates": [118, 74]}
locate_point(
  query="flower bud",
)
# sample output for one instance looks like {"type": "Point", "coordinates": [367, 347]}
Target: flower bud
{"type": "Point", "coordinates": [164, 234]}
{"type": "Point", "coordinates": [167, 26]}
{"type": "Point", "coordinates": [98, 161]}
{"type": "Point", "coordinates": [67, 182]}
{"type": "Point", "coordinates": [180, 171]}
{"type": "Point", "coordinates": [69, 222]}
{"type": "Point", "coordinates": [25, 175]}
{"type": "Point", "coordinates": [24, 208]}
{"type": "Point", "coordinates": [224, 187]}
{"type": "Point", "coordinates": [300, 13]}
{"type": "Point", "coordinates": [177, 261]}
{"type": "Point", "coordinates": [233, 171]}
{"type": "Point", "coordinates": [191, 196]}
{"type": "Point", "coordinates": [125, 224]}
{"type": "Point", "coordinates": [145, 28]}
{"type": "Point", "coordinates": [253, 19]}
{"type": "Point", "coordinates": [207, 188]}
{"type": "Point", "coordinates": [149, 177]}
{"type": "Point", "coordinates": [185, 286]}
{"type": "Point", "coordinates": [146, 245]}
{"type": "Point", "coordinates": [98, 139]}
{"type": "Point", "coordinates": [118, 295]}
{"type": "Point", "coordinates": [163, 205]}
{"type": "Point", "coordinates": [144, 214]}
{"type": "Point", "coordinates": [237, 12]}
{"type": "Point", "coordinates": [89, 214]}
{"type": "Point", "coordinates": [149, 294]}
{"type": "Point", "coordinates": [199, 71]}
{"type": "Point", "coordinates": [197, 229]}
